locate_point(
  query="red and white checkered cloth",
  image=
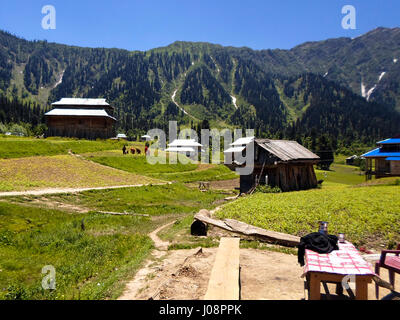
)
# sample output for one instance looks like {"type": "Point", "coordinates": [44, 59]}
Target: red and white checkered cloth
{"type": "Point", "coordinates": [346, 260]}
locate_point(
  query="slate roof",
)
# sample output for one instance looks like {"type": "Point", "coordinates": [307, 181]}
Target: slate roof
{"type": "Point", "coordinates": [184, 143]}
{"type": "Point", "coordinates": [81, 102]}
{"type": "Point", "coordinates": [180, 149]}
{"type": "Point", "coordinates": [234, 149]}
{"type": "Point", "coordinates": [79, 112]}
{"type": "Point", "coordinates": [242, 141]}
{"type": "Point", "coordinates": [286, 150]}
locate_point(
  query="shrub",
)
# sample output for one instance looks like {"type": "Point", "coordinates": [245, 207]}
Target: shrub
{"type": "Point", "coordinates": [263, 188]}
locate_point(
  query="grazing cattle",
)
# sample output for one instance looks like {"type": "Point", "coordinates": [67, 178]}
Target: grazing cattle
{"type": "Point", "coordinates": [138, 151]}
{"type": "Point", "coordinates": [133, 150]}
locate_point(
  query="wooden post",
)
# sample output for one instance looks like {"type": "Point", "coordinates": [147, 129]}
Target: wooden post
{"type": "Point", "coordinates": [361, 288]}
{"type": "Point", "coordinates": [315, 286]}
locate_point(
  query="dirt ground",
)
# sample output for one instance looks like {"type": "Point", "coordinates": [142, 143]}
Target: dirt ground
{"type": "Point", "coordinates": [184, 275]}
{"type": "Point", "coordinates": [227, 185]}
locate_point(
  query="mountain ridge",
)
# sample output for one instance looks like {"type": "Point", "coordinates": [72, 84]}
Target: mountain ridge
{"type": "Point", "coordinates": [269, 90]}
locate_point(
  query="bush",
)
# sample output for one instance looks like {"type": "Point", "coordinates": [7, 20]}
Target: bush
{"type": "Point", "coordinates": [18, 130]}
{"type": "Point", "coordinates": [263, 188]}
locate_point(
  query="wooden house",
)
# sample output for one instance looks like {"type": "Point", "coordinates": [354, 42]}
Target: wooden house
{"type": "Point", "coordinates": [279, 163]}
{"type": "Point", "coordinates": [350, 160]}
{"type": "Point", "coordinates": [81, 118]}
{"type": "Point", "coordinates": [188, 147]}
{"type": "Point", "coordinates": [384, 161]}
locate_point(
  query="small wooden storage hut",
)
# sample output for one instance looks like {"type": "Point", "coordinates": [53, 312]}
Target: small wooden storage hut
{"type": "Point", "coordinates": [282, 163]}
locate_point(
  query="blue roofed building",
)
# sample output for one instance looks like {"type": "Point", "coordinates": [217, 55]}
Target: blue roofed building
{"type": "Point", "coordinates": [384, 161]}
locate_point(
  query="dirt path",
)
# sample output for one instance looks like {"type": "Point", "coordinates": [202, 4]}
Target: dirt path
{"type": "Point", "coordinates": [227, 185]}
{"type": "Point", "coordinates": [135, 286]}
{"type": "Point", "coordinates": [184, 274]}
{"type": "Point", "coordinates": [158, 243]}
{"type": "Point", "coordinates": [42, 192]}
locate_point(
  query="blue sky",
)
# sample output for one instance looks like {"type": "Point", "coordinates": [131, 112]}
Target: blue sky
{"type": "Point", "coordinates": [146, 24]}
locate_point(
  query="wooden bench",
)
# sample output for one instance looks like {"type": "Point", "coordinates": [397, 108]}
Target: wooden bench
{"type": "Point", "coordinates": [224, 280]}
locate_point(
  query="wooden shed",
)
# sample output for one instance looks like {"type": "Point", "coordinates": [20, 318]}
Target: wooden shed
{"type": "Point", "coordinates": [279, 163]}
{"type": "Point", "coordinates": [81, 118]}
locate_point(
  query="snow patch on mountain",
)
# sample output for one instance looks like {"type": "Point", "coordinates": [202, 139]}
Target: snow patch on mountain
{"type": "Point", "coordinates": [367, 94]}
{"type": "Point", "coordinates": [59, 80]}
{"type": "Point", "coordinates": [363, 90]}
{"type": "Point", "coordinates": [216, 66]}
{"type": "Point", "coordinates": [176, 103]}
{"type": "Point", "coordinates": [234, 101]}
{"type": "Point", "coordinates": [370, 91]}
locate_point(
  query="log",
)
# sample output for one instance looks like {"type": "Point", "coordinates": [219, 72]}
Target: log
{"type": "Point", "coordinates": [251, 231]}
{"type": "Point", "coordinates": [198, 228]}
{"type": "Point", "coordinates": [124, 214]}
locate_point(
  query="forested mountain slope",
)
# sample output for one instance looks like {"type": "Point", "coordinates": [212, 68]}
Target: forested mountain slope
{"type": "Point", "coordinates": [347, 88]}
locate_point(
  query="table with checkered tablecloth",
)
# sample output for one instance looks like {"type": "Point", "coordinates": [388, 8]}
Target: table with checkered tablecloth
{"type": "Point", "coordinates": [332, 267]}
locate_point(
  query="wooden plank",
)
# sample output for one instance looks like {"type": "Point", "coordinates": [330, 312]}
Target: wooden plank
{"type": "Point", "coordinates": [224, 279]}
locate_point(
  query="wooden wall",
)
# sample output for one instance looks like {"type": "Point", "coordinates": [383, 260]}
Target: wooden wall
{"type": "Point", "coordinates": [382, 166]}
{"type": "Point", "coordinates": [395, 167]}
{"type": "Point", "coordinates": [80, 127]}
{"type": "Point", "coordinates": [288, 177]}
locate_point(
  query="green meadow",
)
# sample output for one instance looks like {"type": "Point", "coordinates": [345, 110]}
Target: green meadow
{"type": "Point", "coordinates": [341, 174]}
{"type": "Point", "coordinates": [92, 261]}
{"type": "Point", "coordinates": [88, 263]}
{"type": "Point", "coordinates": [152, 200]}
{"type": "Point", "coordinates": [15, 147]}
{"type": "Point", "coordinates": [95, 253]}
{"type": "Point", "coordinates": [183, 171]}
{"type": "Point", "coordinates": [367, 212]}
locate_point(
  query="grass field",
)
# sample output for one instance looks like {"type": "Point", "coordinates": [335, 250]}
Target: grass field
{"type": "Point", "coordinates": [88, 263]}
{"type": "Point", "coordinates": [367, 215]}
{"type": "Point", "coordinates": [93, 263]}
{"type": "Point", "coordinates": [180, 172]}
{"type": "Point", "coordinates": [341, 174]}
{"type": "Point", "coordinates": [62, 171]}
{"type": "Point", "coordinates": [96, 260]}
{"type": "Point", "coordinates": [153, 200]}
{"type": "Point", "coordinates": [15, 147]}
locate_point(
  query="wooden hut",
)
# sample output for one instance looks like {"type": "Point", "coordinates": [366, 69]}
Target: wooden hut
{"type": "Point", "coordinates": [279, 163]}
{"type": "Point", "coordinates": [350, 160]}
{"type": "Point", "coordinates": [384, 161]}
{"type": "Point", "coordinates": [81, 118]}
{"type": "Point", "coordinates": [189, 147]}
